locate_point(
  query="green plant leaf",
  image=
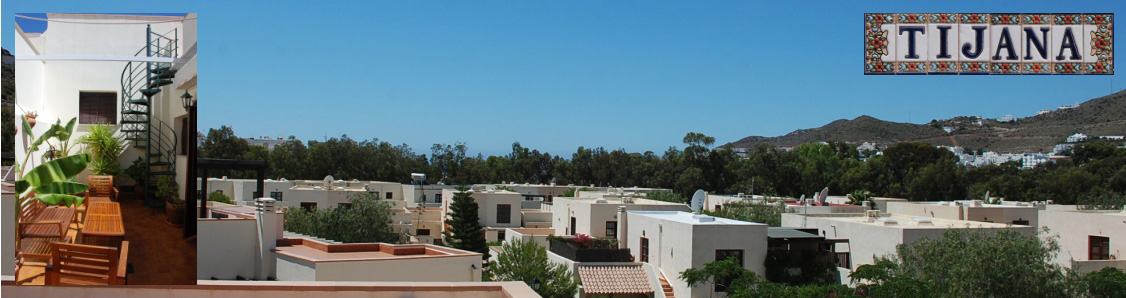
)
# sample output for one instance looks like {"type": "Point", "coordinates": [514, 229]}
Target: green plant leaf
{"type": "Point", "coordinates": [57, 170]}
{"type": "Point", "coordinates": [55, 199]}
{"type": "Point", "coordinates": [27, 128]}
{"type": "Point", "coordinates": [62, 187]}
{"type": "Point", "coordinates": [21, 186]}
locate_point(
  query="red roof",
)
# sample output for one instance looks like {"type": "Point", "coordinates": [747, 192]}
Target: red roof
{"type": "Point", "coordinates": [614, 280]}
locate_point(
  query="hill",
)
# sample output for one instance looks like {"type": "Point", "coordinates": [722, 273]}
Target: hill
{"type": "Point", "coordinates": [1100, 116]}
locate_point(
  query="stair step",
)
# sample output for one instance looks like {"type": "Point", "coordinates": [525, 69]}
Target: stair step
{"type": "Point", "coordinates": [132, 130]}
{"type": "Point", "coordinates": [165, 75]}
{"type": "Point", "coordinates": [159, 82]}
{"type": "Point", "coordinates": [162, 70]}
{"type": "Point", "coordinates": [162, 173]}
{"type": "Point", "coordinates": [133, 112]}
{"type": "Point", "coordinates": [159, 163]}
{"type": "Point", "coordinates": [154, 154]}
{"type": "Point", "coordinates": [139, 101]}
{"type": "Point", "coordinates": [134, 121]}
{"type": "Point", "coordinates": [150, 91]}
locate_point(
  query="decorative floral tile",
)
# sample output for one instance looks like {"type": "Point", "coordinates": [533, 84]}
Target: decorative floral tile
{"type": "Point", "coordinates": [879, 42]}
{"type": "Point", "coordinates": [1099, 34]}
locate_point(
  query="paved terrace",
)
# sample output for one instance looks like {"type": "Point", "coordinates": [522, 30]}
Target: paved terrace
{"type": "Point", "coordinates": [158, 254]}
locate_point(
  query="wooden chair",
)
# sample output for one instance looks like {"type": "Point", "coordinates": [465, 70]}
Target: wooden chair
{"type": "Point", "coordinates": [78, 264]}
{"type": "Point", "coordinates": [34, 249]}
{"type": "Point", "coordinates": [101, 187]}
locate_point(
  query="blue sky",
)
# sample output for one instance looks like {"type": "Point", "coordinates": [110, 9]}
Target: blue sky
{"type": "Point", "coordinates": [555, 75]}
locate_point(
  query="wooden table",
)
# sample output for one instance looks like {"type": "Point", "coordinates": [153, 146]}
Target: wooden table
{"type": "Point", "coordinates": [103, 225]}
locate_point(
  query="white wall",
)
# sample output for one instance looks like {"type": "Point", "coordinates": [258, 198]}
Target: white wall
{"type": "Point", "coordinates": [1075, 227]}
{"type": "Point", "coordinates": [445, 268]}
{"type": "Point", "coordinates": [675, 246]}
{"type": "Point", "coordinates": [226, 248]}
{"type": "Point", "coordinates": [591, 217]}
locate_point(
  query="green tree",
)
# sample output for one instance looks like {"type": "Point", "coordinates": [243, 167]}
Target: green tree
{"type": "Point", "coordinates": [767, 213]}
{"type": "Point", "coordinates": [527, 262]}
{"type": "Point", "coordinates": [366, 220]}
{"type": "Point", "coordinates": [1108, 282]}
{"type": "Point", "coordinates": [218, 196]}
{"type": "Point", "coordinates": [975, 263]}
{"type": "Point", "coordinates": [465, 230]}
{"type": "Point", "coordinates": [664, 196]}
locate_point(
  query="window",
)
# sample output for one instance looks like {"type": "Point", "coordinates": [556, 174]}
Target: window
{"type": "Point", "coordinates": [389, 195]}
{"type": "Point", "coordinates": [422, 232]}
{"type": "Point", "coordinates": [723, 254]}
{"type": "Point", "coordinates": [437, 198]}
{"type": "Point", "coordinates": [611, 229]}
{"type": "Point", "coordinates": [1023, 222]}
{"type": "Point", "coordinates": [308, 206]}
{"type": "Point", "coordinates": [644, 250]}
{"type": "Point", "coordinates": [437, 241]}
{"type": "Point", "coordinates": [572, 226]}
{"type": "Point", "coordinates": [504, 213]}
{"type": "Point", "coordinates": [276, 195]}
{"type": "Point", "coordinates": [1099, 248]}
{"type": "Point", "coordinates": [344, 205]}
{"type": "Point", "coordinates": [500, 235]}
{"type": "Point", "coordinates": [97, 108]}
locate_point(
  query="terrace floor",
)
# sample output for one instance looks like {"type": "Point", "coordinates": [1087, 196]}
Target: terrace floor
{"type": "Point", "coordinates": [157, 251]}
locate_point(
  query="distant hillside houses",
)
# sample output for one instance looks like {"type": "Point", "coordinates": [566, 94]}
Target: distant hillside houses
{"type": "Point", "coordinates": [1007, 118]}
{"type": "Point", "coordinates": [269, 143]}
{"type": "Point", "coordinates": [1081, 137]}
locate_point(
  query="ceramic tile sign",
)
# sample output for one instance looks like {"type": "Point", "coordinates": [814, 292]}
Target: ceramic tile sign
{"type": "Point", "coordinates": [988, 43]}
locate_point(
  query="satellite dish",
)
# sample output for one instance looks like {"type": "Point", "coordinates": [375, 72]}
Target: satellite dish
{"type": "Point", "coordinates": [823, 195]}
{"type": "Point", "coordinates": [698, 200]}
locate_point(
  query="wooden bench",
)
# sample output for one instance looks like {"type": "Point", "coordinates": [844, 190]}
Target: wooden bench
{"type": "Point", "coordinates": [37, 220]}
{"type": "Point", "coordinates": [78, 264]}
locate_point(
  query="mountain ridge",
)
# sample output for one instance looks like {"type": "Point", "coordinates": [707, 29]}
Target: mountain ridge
{"type": "Point", "coordinates": [1100, 116]}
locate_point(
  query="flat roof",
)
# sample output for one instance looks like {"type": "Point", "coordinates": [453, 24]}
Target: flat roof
{"type": "Point", "coordinates": [905, 221]}
{"type": "Point", "coordinates": [690, 218]}
{"type": "Point", "coordinates": [316, 251]}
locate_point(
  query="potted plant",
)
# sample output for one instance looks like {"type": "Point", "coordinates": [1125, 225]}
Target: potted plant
{"type": "Point", "coordinates": [30, 117]}
{"type": "Point", "coordinates": [137, 173]}
{"type": "Point", "coordinates": [167, 189]}
{"type": "Point", "coordinates": [106, 146]}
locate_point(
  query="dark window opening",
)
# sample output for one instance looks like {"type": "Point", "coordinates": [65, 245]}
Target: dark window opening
{"type": "Point", "coordinates": [1023, 222]}
{"type": "Point", "coordinates": [309, 206]}
{"type": "Point", "coordinates": [389, 195]}
{"type": "Point", "coordinates": [422, 232]}
{"type": "Point", "coordinates": [504, 213]}
{"type": "Point", "coordinates": [612, 229]}
{"type": "Point", "coordinates": [344, 205]}
{"type": "Point", "coordinates": [644, 249]}
{"type": "Point", "coordinates": [276, 195]}
{"type": "Point", "coordinates": [724, 254]}
{"type": "Point", "coordinates": [500, 235]}
{"type": "Point", "coordinates": [97, 108]}
{"type": "Point", "coordinates": [1098, 248]}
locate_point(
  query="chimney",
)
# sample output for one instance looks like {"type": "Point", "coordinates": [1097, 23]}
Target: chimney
{"type": "Point", "coordinates": [622, 227]}
{"type": "Point", "coordinates": [269, 231]}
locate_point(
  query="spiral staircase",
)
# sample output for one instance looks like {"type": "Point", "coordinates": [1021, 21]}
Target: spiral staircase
{"type": "Point", "coordinates": [140, 83]}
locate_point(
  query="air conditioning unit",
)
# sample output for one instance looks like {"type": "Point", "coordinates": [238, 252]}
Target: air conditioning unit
{"type": "Point", "coordinates": [871, 214]}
